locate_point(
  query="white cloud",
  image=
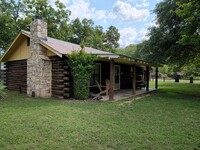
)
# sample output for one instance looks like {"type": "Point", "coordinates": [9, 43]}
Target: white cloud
{"type": "Point", "coordinates": [127, 36]}
{"type": "Point", "coordinates": [101, 14]}
{"type": "Point", "coordinates": [124, 12]}
{"type": "Point", "coordinates": [142, 3]}
{"type": "Point", "coordinates": [65, 1]}
{"type": "Point", "coordinates": [81, 9]}
{"type": "Point", "coordinates": [131, 36]}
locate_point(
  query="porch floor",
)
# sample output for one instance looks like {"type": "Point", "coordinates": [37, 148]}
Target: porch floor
{"type": "Point", "coordinates": [127, 93]}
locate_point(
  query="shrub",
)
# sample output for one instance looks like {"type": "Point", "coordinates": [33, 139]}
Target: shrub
{"type": "Point", "coordinates": [81, 65]}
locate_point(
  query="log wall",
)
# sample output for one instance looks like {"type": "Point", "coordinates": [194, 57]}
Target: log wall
{"type": "Point", "coordinates": [16, 75]}
{"type": "Point", "coordinates": [61, 78]}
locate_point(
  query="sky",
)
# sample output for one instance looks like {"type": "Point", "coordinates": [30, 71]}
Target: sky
{"type": "Point", "coordinates": [131, 17]}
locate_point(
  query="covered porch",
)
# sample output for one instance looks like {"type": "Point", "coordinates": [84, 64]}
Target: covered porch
{"type": "Point", "coordinates": [127, 93]}
{"type": "Point", "coordinates": [127, 77]}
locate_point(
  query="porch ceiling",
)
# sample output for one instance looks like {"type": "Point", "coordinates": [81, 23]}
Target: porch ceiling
{"type": "Point", "coordinates": [118, 58]}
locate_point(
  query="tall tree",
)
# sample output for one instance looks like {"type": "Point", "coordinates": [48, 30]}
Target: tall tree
{"type": "Point", "coordinates": [93, 36]}
{"type": "Point", "coordinates": [15, 16]}
{"type": "Point", "coordinates": [111, 39]}
{"type": "Point", "coordinates": [129, 50]}
{"type": "Point", "coordinates": [189, 12]}
{"type": "Point", "coordinates": [57, 17]}
{"type": "Point", "coordinates": [164, 44]}
{"type": "Point", "coordinates": [82, 31]}
{"type": "Point", "coordinates": [10, 21]}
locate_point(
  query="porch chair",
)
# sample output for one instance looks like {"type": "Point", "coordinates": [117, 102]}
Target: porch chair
{"type": "Point", "coordinates": [107, 88]}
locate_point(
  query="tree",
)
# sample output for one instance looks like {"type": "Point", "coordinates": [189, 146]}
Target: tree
{"type": "Point", "coordinates": [129, 50]}
{"type": "Point", "coordinates": [9, 21]}
{"type": "Point", "coordinates": [111, 39]}
{"type": "Point", "coordinates": [57, 17]}
{"type": "Point", "coordinates": [15, 16]}
{"type": "Point", "coordinates": [189, 12]}
{"type": "Point", "coordinates": [93, 36]}
{"type": "Point", "coordinates": [97, 39]}
{"type": "Point", "coordinates": [82, 31]}
{"type": "Point", "coordinates": [164, 44]}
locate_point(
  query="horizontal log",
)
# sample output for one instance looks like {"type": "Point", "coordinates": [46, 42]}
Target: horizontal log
{"type": "Point", "coordinates": [22, 75]}
{"type": "Point", "coordinates": [16, 66]}
{"type": "Point", "coordinates": [66, 78]}
{"type": "Point", "coordinates": [60, 75]}
{"type": "Point", "coordinates": [67, 89]}
{"type": "Point", "coordinates": [61, 86]}
{"type": "Point", "coordinates": [57, 81]}
{"type": "Point", "coordinates": [66, 67]}
{"type": "Point", "coordinates": [58, 92]}
{"type": "Point", "coordinates": [58, 69]}
{"type": "Point", "coordinates": [66, 73]}
{"type": "Point", "coordinates": [56, 89]}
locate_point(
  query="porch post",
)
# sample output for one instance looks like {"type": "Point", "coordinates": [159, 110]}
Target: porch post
{"type": "Point", "coordinates": [156, 83]}
{"type": "Point", "coordinates": [134, 79]}
{"type": "Point", "coordinates": [112, 70]}
{"type": "Point", "coordinates": [147, 78]}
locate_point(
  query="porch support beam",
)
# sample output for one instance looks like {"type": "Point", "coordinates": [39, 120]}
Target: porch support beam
{"type": "Point", "coordinates": [147, 78]}
{"type": "Point", "coordinates": [156, 81]}
{"type": "Point", "coordinates": [134, 79]}
{"type": "Point", "coordinates": [112, 70]}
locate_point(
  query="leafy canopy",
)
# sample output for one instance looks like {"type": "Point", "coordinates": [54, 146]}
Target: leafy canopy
{"type": "Point", "coordinates": [17, 15]}
{"type": "Point", "coordinates": [175, 39]}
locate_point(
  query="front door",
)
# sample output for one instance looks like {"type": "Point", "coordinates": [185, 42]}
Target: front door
{"type": "Point", "coordinates": [117, 77]}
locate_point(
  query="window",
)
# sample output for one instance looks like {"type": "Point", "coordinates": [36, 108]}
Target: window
{"type": "Point", "coordinates": [96, 75]}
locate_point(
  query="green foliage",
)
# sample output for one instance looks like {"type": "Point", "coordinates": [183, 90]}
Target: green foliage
{"type": "Point", "coordinates": [192, 68]}
{"type": "Point", "coordinates": [189, 11]}
{"type": "Point", "coordinates": [175, 38]}
{"type": "Point", "coordinates": [57, 18]}
{"type": "Point", "coordinates": [169, 70]}
{"type": "Point", "coordinates": [2, 90]}
{"type": "Point", "coordinates": [111, 39]}
{"type": "Point", "coordinates": [130, 50]}
{"type": "Point", "coordinates": [93, 36]}
{"type": "Point", "coordinates": [11, 21]}
{"type": "Point", "coordinates": [81, 65]}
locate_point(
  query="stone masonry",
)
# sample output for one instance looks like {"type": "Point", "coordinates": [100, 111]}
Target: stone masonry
{"type": "Point", "coordinates": [38, 65]}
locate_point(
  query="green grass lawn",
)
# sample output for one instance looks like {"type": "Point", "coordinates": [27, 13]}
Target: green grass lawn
{"type": "Point", "coordinates": [167, 120]}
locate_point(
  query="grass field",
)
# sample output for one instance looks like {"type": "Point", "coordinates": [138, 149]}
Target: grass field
{"type": "Point", "coordinates": [167, 120]}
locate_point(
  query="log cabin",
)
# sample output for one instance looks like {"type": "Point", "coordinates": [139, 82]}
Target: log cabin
{"type": "Point", "coordinates": [37, 66]}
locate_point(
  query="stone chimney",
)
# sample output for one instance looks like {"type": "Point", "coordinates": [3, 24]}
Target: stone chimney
{"type": "Point", "coordinates": [38, 65]}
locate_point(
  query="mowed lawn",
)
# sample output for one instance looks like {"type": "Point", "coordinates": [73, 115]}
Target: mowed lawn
{"type": "Point", "coordinates": [166, 120]}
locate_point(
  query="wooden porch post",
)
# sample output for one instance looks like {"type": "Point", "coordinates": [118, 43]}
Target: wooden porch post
{"type": "Point", "coordinates": [112, 70]}
{"type": "Point", "coordinates": [147, 78]}
{"type": "Point", "coordinates": [156, 75]}
{"type": "Point", "coordinates": [134, 79]}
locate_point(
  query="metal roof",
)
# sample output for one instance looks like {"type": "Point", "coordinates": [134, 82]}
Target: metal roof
{"type": "Point", "coordinates": [64, 47]}
{"type": "Point", "coordinates": [60, 48]}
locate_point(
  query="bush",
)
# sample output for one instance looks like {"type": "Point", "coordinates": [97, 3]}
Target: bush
{"type": "Point", "coordinates": [81, 65]}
